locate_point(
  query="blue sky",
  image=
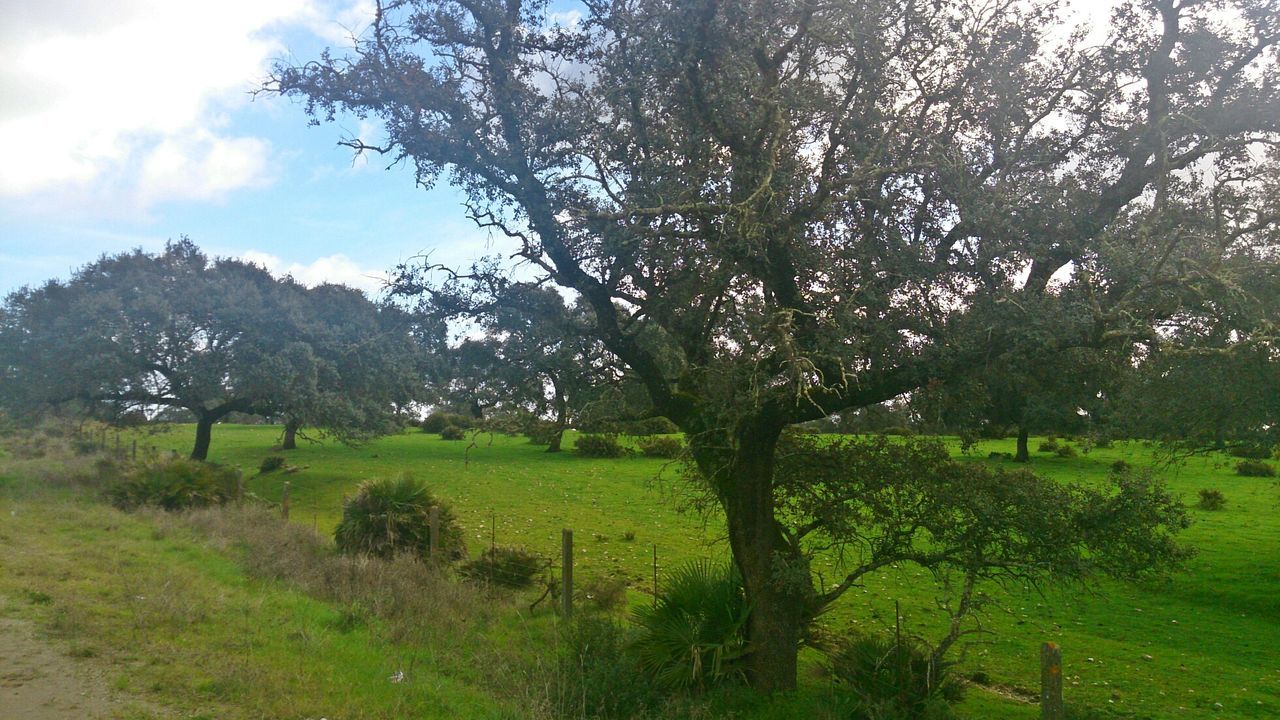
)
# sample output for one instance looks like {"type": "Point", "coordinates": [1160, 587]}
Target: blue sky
{"type": "Point", "coordinates": [130, 123]}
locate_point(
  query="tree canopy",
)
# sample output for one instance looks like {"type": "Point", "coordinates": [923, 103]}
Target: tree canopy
{"type": "Point", "coordinates": [138, 331]}
{"type": "Point", "coordinates": [820, 206]}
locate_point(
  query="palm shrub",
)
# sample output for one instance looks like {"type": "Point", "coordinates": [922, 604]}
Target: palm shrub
{"type": "Point", "coordinates": [175, 484]}
{"type": "Point", "coordinates": [389, 516]}
{"type": "Point", "coordinates": [888, 679]}
{"type": "Point", "coordinates": [693, 635]}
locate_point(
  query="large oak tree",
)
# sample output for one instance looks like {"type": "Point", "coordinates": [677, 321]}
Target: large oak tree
{"type": "Point", "coordinates": [822, 205]}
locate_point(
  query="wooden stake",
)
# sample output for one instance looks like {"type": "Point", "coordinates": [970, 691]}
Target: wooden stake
{"type": "Point", "coordinates": [433, 518]}
{"type": "Point", "coordinates": [284, 501]}
{"type": "Point", "coordinates": [566, 571]}
{"type": "Point", "coordinates": [1051, 706]}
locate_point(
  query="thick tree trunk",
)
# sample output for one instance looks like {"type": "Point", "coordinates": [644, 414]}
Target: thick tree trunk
{"type": "Point", "coordinates": [204, 433]}
{"type": "Point", "coordinates": [290, 435]}
{"type": "Point", "coordinates": [1024, 454]}
{"type": "Point", "coordinates": [763, 556]}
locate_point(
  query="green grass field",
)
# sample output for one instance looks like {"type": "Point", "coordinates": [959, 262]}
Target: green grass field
{"type": "Point", "coordinates": [1205, 642]}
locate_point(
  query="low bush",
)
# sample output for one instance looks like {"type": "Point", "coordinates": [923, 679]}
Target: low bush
{"type": "Point", "coordinates": [270, 464]}
{"type": "Point", "coordinates": [438, 421]}
{"type": "Point", "coordinates": [1066, 451]}
{"type": "Point", "coordinates": [606, 593]}
{"type": "Point", "coordinates": [1250, 452]}
{"type": "Point", "coordinates": [657, 425]}
{"type": "Point", "coordinates": [452, 432]}
{"type": "Point", "coordinates": [599, 446]}
{"type": "Point", "coordinates": [511, 567]}
{"type": "Point", "coordinates": [898, 430]}
{"type": "Point", "coordinates": [541, 432]}
{"type": "Point", "coordinates": [888, 680]}
{"type": "Point", "coordinates": [1049, 445]}
{"type": "Point", "coordinates": [1211, 499]}
{"type": "Point", "coordinates": [597, 676]}
{"type": "Point", "coordinates": [1120, 467]}
{"type": "Point", "coordinates": [693, 635]}
{"type": "Point", "coordinates": [661, 447]}
{"type": "Point", "coordinates": [389, 516]}
{"type": "Point", "coordinates": [1255, 468]}
{"type": "Point", "coordinates": [175, 484]}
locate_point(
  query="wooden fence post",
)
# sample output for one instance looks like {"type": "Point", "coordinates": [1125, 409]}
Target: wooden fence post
{"type": "Point", "coordinates": [133, 451]}
{"type": "Point", "coordinates": [1051, 706]}
{"type": "Point", "coordinates": [433, 518]}
{"type": "Point", "coordinates": [566, 571]}
{"type": "Point", "coordinates": [284, 501]}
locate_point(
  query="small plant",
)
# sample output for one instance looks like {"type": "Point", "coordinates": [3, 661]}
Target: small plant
{"type": "Point", "coordinates": [270, 464]}
{"type": "Point", "coordinates": [898, 430]}
{"type": "Point", "coordinates": [661, 447]}
{"type": "Point", "coordinates": [1120, 467]}
{"type": "Point", "coordinates": [1250, 452]}
{"type": "Point", "coordinates": [1049, 445]}
{"type": "Point", "coordinates": [175, 484]}
{"type": "Point", "coordinates": [606, 593]}
{"type": "Point", "coordinates": [629, 536]}
{"type": "Point", "coordinates": [1066, 451]}
{"type": "Point", "coordinates": [386, 517]}
{"type": "Point", "coordinates": [1212, 499]}
{"type": "Point", "coordinates": [437, 421]}
{"type": "Point", "coordinates": [891, 679]}
{"type": "Point", "coordinates": [599, 446]}
{"type": "Point", "coordinates": [693, 635]}
{"type": "Point", "coordinates": [1255, 468]}
{"type": "Point", "coordinates": [512, 567]}
{"type": "Point", "coordinates": [452, 432]}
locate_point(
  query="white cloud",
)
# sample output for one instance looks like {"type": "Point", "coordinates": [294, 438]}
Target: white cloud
{"type": "Point", "coordinates": [131, 98]}
{"type": "Point", "coordinates": [336, 269]}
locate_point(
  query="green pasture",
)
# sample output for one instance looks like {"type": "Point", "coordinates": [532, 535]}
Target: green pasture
{"type": "Point", "coordinates": [1205, 642]}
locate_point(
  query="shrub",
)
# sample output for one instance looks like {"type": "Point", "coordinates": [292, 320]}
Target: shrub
{"type": "Point", "coordinates": [1250, 452]}
{"type": "Point", "coordinates": [898, 430]}
{"type": "Point", "coordinates": [662, 447]}
{"type": "Point", "coordinates": [606, 593]}
{"type": "Point", "coordinates": [1211, 499]}
{"type": "Point", "coordinates": [438, 421]}
{"type": "Point", "coordinates": [999, 456]}
{"type": "Point", "coordinates": [693, 634]}
{"type": "Point", "coordinates": [1066, 451]}
{"type": "Point", "coordinates": [1255, 468]}
{"type": "Point", "coordinates": [270, 464]}
{"type": "Point", "coordinates": [1120, 467]}
{"type": "Point", "coordinates": [889, 679]}
{"type": "Point", "coordinates": [1050, 445]}
{"type": "Point", "coordinates": [599, 446]}
{"type": "Point", "coordinates": [541, 432]}
{"type": "Point", "coordinates": [657, 425]}
{"type": "Point", "coordinates": [386, 517]}
{"type": "Point", "coordinates": [452, 432]}
{"type": "Point", "coordinates": [512, 567]}
{"type": "Point", "coordinates": [175, 484]}
{"type": "Point", "coordinates": [596, 674]}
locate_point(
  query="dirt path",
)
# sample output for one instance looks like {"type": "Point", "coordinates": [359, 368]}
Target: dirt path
{"type": "Point", "coordinates": [37, 682]}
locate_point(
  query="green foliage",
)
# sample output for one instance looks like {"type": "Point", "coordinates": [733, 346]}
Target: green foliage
{"type": "Point", "coordinates": [1049, 445]}
{"type": "Point", "coordinates": [599, 446]}
{"type": "Point", "coordinates": [597, 675]}
{"type": "Point", "coordinates": [1212, 499]}
{"type": "Point", "coordinates": [1120, 467]}
{"type": "Point", "coordinates": [606, 593]}
{"type": "Point", "coordinates": [541, 432]}
{"type": "Point", "coordinates": [899, 431]}
{"type": "Point", "coordinates": [657, 425]}
{"type": "Point", "coordinates": [176, 484]}
{"type": "Point", "coordinates": [693, 635]}
{"type": "Point", "coordinates": [436, 422]}
{"type": "Point", "coordinates": [661, 447]}
{"type": "Point", "coordinates": [389, 516]}
{"type": "Point", "coordinates": [893, 680]}
{"type": "Point", "coordinates": [1255, 468]}
{"type": "Point", "coordinates": [452, 432]}
{"type": "Point", "coordinates": [270, 464]}
{"type": "Point", "coordinates": [1066, 451]}
{"type": "Point", "coordinates": [510, 567]}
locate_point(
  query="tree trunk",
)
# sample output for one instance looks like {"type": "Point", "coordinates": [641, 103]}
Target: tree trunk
{"type": "Point", "coordinates": [562, 419]}
{"type": "Point", "coordinates": [204, 433]}
{"type": "Point", "coordinates": [763, 556]}
{"type": "Point", "coordinates": [1024, 454]}
{"type": "Point", "coordinates": [290, 435]}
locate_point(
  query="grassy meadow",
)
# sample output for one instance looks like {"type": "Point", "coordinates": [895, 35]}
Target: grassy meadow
{"type": "Point", "coordinates": [1203, 643]}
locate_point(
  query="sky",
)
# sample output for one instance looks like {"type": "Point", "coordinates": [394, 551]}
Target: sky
{"type": "Point", "coordinates": [127, 123]}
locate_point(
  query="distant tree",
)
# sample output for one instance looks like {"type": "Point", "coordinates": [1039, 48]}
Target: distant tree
{"type": "Point", "coordinates": [178, 330]}
{"type": "Point", "coordinates": [823, 206]}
